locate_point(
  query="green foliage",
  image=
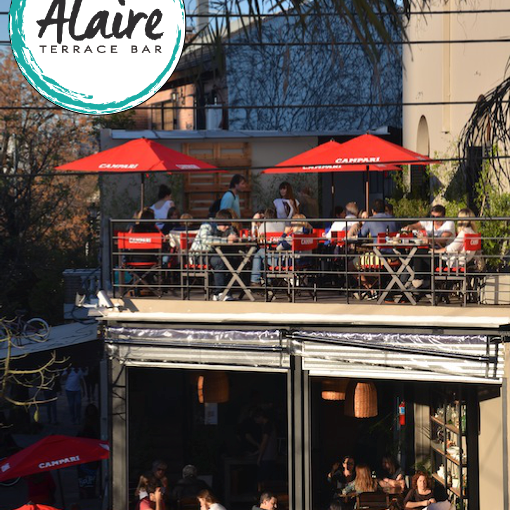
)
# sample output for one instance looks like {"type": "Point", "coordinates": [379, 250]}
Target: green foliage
{"type": "Point", "coordinates": [122, 120]}
{"type": "Point", "coordinates": [405, 203]}
{"type": "Point", "coordinates": [495, 234]}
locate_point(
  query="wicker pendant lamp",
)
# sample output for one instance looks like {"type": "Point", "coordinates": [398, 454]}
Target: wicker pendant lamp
{"type": "Point", "coordinates": [361, 399]}
{"type": "Point", "coordinates": [213, 388]}
{"type": "Point", "coordinates": [334, 389]}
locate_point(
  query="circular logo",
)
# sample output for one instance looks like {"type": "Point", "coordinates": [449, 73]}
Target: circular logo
{"type": "Point", "coordinates": [97, 57]}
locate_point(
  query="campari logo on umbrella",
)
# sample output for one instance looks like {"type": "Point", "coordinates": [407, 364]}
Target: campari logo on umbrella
{"type": "Point", "coordinates": [97, 57]}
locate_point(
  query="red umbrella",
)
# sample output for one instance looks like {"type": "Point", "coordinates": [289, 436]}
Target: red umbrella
{"type": "Point", "coordinates": [320, 159]}
{"type": "Point", "coordinates": [35, 506]}
{"type": "Point", "coordinates": [53, 452]}
{"type": "Point", "coordinates": [364, 153]}
{"type": "Point", "coordinates": [139, 156]}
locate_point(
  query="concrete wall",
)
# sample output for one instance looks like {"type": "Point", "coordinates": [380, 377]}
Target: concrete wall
{"type": "Point", "coordinates": [491, 454]}
{"type": "Point", "coordinates": [451, 72]}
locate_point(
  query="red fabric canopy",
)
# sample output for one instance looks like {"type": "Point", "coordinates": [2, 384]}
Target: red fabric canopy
{"type": "Point", "coordinates": [35, 506]}
{"type": "Point", "coordinates": [376, 154]}
{"type": "Point", "coordinates": [140, 155]}
{"type": "Point", "coordinates": [366, 152]}
{"type": "Point", "coordinates": [53, 452]}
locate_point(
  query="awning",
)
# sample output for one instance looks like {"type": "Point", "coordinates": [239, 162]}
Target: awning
{"type": "Point", "coordinates": [414, 357]}
{"type": "Point", "coordinates": [60, 337]}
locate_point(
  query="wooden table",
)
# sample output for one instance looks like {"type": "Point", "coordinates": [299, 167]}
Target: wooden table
{"type": "Point", "coordinates": [245, 249]}
{"type": "Point", "coordinates": [405, 252]}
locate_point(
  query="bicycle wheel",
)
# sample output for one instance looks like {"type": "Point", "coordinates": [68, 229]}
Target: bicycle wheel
{"type": "Point", "coordinates": [11, 482]}
{"type": "Point", "coordinates": [37, 330]}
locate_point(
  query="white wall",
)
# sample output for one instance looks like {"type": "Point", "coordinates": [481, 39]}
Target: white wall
{"type": "Point", "coordinates": [455, 72]}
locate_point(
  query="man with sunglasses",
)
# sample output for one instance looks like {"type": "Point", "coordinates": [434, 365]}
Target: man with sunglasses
{"type": "Point", "coordinates": [442, 231]}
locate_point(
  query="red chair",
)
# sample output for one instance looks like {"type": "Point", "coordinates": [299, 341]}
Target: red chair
{"type": "Point", "coordinates": [141, 256]}
{"type": "Point", "coordinates": [294, 266]}
{"type": "Point", "coordinates": [194, 267]}
{"type": "Point", "coordinates": [338, 237]}
{"type": "Point", "coordinates": [456, 269]}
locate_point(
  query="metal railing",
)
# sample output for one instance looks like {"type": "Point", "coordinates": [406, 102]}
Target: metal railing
{"type": "Point", "coordinates": [265, 263]}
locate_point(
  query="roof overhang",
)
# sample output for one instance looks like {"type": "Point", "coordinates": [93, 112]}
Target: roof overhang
{"type": "Point", "coordinates": [486, 319]}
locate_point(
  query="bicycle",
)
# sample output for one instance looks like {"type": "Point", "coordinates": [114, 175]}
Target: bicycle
{"type": "Point", "coordinates": [35, 329]}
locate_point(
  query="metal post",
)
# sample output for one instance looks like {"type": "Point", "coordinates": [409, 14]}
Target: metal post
{"type": "Point", "coordinates": [299, 435]}
{"type": "Point", "coordinates": [118, 434]}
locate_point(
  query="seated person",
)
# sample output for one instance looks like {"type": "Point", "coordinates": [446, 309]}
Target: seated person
{"type": "Point", "coordinates": [350, 213]}
{"type": "Point", "coordinates": [267, 501]}
{"type": "Point", "coordinates": [392, 474]}
{"type": "Point", "coordinates": [142, 227]}
{"type": "Point", "coordinates": [373, 228]}
{"type": "Point", "coordinates": [150, 494]}
{"type": "Point", "coordinates": [296, 227]}
{"type": "Point", "coordinates": [342, 473]}
{"type": "Point", "coordinates": [256, 225]}
{"type": "Point", "coordinates": [189, 485]}
{"type": "Point", "coordinates": [442, 231]}
{"type": "Point", "coordinates": [172, 214]}
{"type": "Point", "coordinates": [455, 252]}
{"type": "Point", "coordinates": [363, 481]}
{"type": "Point", "coordinates": [219, 231]}
{"type": "Point", "coordinates": [266, 228]}
{"type": "Point", "coordinates": [421, 494]}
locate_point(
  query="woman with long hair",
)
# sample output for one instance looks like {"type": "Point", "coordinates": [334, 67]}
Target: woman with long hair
{"type": "Point", "coordinates": [163, 204]}
{"type": "Point", "coordinates": [455, 251]}
{"type": "Point", "coordinates": [208, 501]}
{"type": "Point", "coordinates": [286, 205]}
{"type": "Point", "coordinates": [363, 481]}
{"type": "Point", "coordinates": [392, 474]}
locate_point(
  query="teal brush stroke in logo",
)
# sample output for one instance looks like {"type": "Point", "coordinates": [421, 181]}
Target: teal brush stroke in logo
{"type": "Point", "coordinates": [70, 99]}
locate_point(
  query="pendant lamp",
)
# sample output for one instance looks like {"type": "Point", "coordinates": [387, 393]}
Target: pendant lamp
{"type": "Point", "coordinates": [361, 399]}
{"type": "Point", "coordinates": [213, 388]}
{"type": "Point", "coordinates": [334, 389]}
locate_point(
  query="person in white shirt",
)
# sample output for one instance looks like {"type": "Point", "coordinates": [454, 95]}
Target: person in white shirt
{"type": "Point", "coordinates": [208, 501]}
{"type": "Point", "coordinates": [442, 231]}
{"type": "Point", "coordinates": [455, 251]}
{"type": "Point", "coordinates": [351, 213]}
{"type": "Point", "coordinates": [163, 204]}
{"type": "Point", "coordinates": [286, 206]}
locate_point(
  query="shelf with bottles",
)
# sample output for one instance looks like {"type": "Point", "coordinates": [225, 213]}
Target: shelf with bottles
{"type": "Point", "coordinates": [452, 416]}
{"type": "Point", "coordinates": [448, 445]}
{"type": "Point", "coordinates": [454, 490]}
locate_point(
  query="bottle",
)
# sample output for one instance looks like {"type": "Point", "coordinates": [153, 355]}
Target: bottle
{"type": "Point", "coordinates": [387, 233]}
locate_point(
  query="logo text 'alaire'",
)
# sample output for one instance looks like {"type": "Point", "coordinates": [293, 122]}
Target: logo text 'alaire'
{"type": "Point", "coordinates": [99, 22]}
